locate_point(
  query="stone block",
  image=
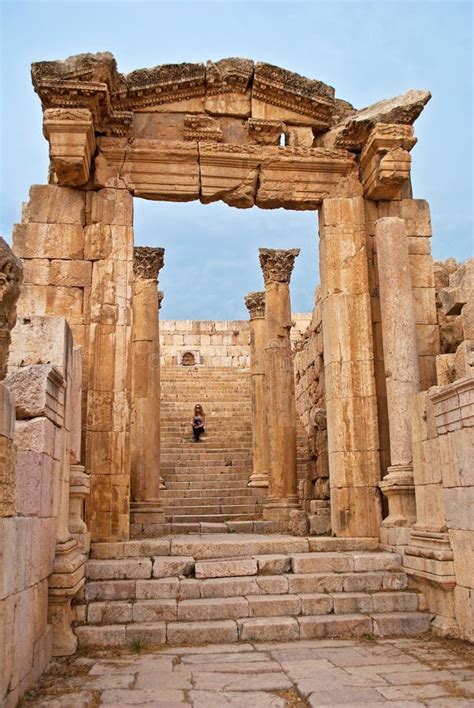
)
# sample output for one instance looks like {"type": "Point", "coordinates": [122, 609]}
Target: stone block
{"type": "Point", "coordinates": [399, 623]}
{"type": "Point", "coordinates": [321, 563]}
{"type": "Point", "coordinates": [310, 583]}
{"type": "Point", "coordinates": [229, 587]}
{"type": "Point", "coordinates": [421, 271]}
{"type": "Point", "coordinates": [120, 569]}
{"type": "Point", "coordinates": [150, 633]}
{"type": "Point", "coordinates": [395, 602]}
{"type": "Point", "coordinates": [172, 566]}
{"type": "Point", "coordinates": [65, 241]}
{"type": "Point", "coordinates": [36, 271]}
{"type": "Point", "coordinates": [459, 508]}
{"type": "Point", "coordinates": [213, 609]}
{"type": "Point", "coordinates": [464, 611]}
{"type": "Point", "coordinates": [155, 610]}
{"type": "Point", "coordinates": [343, 626]}
{"type": "Point", "coordinates": [268, 629]}
{"type": "Point", "coordinates": [7, 412]}
{"type": "Point", "coordinates": [273, 605]}
{"type": "Point", "coordinates": [226, 568]}
{"type": "Point", "coordinates": [49, 204]}
{"type": "Point", "coordinates": [110, 590]}
{"type": "Point", "coordinates": [216, 632]}
{"type": "Point", "coordinates": [106, 636]}
{"type": "Point", "coordinates": [109, 612]}
{"type": "Point", "coordinates": [35, 435]}
{"type": "Point", "coordinates": [162, 589]}
{"type": "Point", "coordinates": [316, 604]}
{"type": "Point", "coordinates": [273, 564]}
{"type": "Point", "coordinates": [40, 340]}
{"type": "Point", "coordinates": [366, 562]}
{"type": "Point", "coordinates": [110, 207]}
{"type": "Point", "coordinates": [347, 603]}
{"type": "Point", "coordinates": [272, 584]}
{"type": "Point", "coordinates": [70, 273]}
{"type": "Point", "coordinates": [462, 544]}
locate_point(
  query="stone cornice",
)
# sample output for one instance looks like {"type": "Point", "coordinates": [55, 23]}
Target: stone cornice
{"type": "Point", "coordinates": [255, 304]}
{"type": "Point", "coordinates": [277, 264]}
{"type": "Point", "coordinates": [147, 262]}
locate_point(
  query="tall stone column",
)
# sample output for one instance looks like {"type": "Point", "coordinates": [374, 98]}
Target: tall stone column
{"type": "Point", "coordinates": [351, 401]}
{"type": "Point", "coordinates": [402, 374]}
{"type": "Point", "coordinates": [255, 303]}
{"type": "Point", "coordinates": [145, 424]}
{"type": "Point", "coordinates": [277, 266]}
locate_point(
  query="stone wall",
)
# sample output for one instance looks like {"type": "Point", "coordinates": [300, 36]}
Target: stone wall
{"type": "Point", "coordinates": [42, 565]}
{"type": "Point", "coordinates": [213, 342]}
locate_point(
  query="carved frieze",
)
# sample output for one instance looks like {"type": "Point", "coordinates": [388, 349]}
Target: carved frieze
{"type": "Point", "coordinates": [11, 277]}
{"type": "Point", "coordinates": [231, 75]}
{"type": "Point", "coordinates": [277, 264]}
{"type": "Point", "coordinates": [255, 304]}
{"type": "Point", "coordinates": [147, 262]}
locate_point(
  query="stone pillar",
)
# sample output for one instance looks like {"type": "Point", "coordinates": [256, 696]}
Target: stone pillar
{"type": "Point", "coordinates": [145, 424]}
{"type": "Point", "coordinates": [352, 423]}
{"type": "Point", "coordinates": [279, 383]}
{"type": "Point", "coordinates": [255, 303]}
{"type": "Point", "coordinates": [402, 374]}
{"type": "Point", "coordinates": [161, 296]}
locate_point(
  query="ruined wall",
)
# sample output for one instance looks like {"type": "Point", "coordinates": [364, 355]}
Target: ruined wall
{"type": "Point", "coordinates": [213, 343]}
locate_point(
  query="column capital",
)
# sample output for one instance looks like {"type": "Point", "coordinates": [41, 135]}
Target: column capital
{"type": "Point", "coordinates": [277, 264]}
{"type": "Point", "coordinates": [255, 304]}
{"type": "Point", "coordinates": [160, 295]}
{"type": "Point", "coordinates": [147, 262]}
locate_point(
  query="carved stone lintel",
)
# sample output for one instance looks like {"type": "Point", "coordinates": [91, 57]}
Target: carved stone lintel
{"type": "Point", "coordinates": [385, 160]}
{"type": "Point", "coordinates": [160, 295]}
{"type": "Point", "coordinates": [70, 132]}
{"type": "Point", "coordinates": [277, 264]}
{"type": "Point", "coordinates": [11, 277]}
{"type": "Point", "coordinates": [265, 132]}
{"type": "Point", "coordinates": [255, 304]}
{"type": "Point", "coordinates": [147, 262]}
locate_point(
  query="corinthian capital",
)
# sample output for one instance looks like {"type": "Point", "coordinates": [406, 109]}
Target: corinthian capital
{"type": "Point", "coordinates": [255, 304]}
{"type": "Point", "coordinates": [277, 264]}
{"type": "Point", "coordinates": [147, 262]}
{"type": "Point", "coordinates": [11, 276]}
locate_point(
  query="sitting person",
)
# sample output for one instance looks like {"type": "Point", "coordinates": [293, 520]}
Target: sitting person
{"type": "Point", "coordinates": [198, 422]}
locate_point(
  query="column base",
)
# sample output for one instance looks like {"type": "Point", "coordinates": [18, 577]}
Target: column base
{"type": "Point", "coordinates": [146, 513]}
{"type": "Point", "coordinates": [278, 509]}
{"type": "Point", "coordinates": [258, 479]}
{"type": "Point", "coordinates": [399, 488]}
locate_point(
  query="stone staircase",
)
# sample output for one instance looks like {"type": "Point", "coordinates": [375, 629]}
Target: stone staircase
{"type": "Point", "coordinates": [225, 588]}
{"type": "Point", "coordinates": [207, 482]}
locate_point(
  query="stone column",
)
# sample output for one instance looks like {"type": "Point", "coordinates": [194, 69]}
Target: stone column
{"type": "Point", "coordinates": [401, 366]}
{"type": "Point", "coordinates": [351, 401]}
{"type": "Point", "coordinates": [279, 383]}
{"type": "Point", "coordinates": [255, 303]}
{"type": "Point", "coordinates": [145, 423]}
{"type": "Point", "coordinates": [160, 295]}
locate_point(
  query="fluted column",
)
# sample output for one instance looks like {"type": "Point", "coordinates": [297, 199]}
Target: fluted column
{"type": "Point", "coordinates": [145, 423]}
{"type": "Point", "coordinates": [255, 303]}
{"type": "Point", "coordinates": [277, 266]}
{"type": "Point", "coordinates": [401, 365]}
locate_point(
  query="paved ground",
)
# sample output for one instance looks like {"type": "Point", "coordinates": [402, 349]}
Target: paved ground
{"type": "Point", "coordinates": [400, 672]}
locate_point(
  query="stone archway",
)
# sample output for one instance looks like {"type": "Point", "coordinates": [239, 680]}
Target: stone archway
{"type": "Point", "coordinates": [210, 132]}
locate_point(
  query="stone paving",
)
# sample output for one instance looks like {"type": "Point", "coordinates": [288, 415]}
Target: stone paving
{"type": "Point", "coordinates": [393, 672]}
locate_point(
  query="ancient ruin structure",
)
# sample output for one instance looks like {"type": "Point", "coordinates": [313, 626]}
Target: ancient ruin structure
{"type": "Point", "coordinates": [354, 432]}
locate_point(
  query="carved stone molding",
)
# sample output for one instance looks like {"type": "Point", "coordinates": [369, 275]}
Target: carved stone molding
{"type": "Point", "coordinates": [11, 277]}
{"type": "Point", "coordinates": [255, 304]}
{"type": "Point", "coordinates": [147, 262]}
{"type": "Point", "coordinates": [385, 160]}
{"type": "Point", "coordinates": [265, 132]}
{"type": "Point", "coordinates": [202, 127]}
{"type": "Point", "coordinates": [277, 264]}
{"type": "Point", "coordinates": [70, 132]}
{"type": "Point", "coordinates": [228, 75]}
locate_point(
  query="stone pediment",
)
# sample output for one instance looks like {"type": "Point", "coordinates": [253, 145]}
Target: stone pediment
{"type": "Point", "coordinates": [260, 91]}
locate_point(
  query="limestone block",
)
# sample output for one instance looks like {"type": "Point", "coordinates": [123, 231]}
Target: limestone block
{"type": "Point", "coordinates": [30, 386]}
{"type": "Point", "coordinates": [36, 271]}
{"type": "Point", "coordinates": [109, 613]}
{"type": "Point", "coordinates": [362, 434]}
{"type": "Point", "coordinates": [349, 511]}
{"type": "Point", "coordinates": [464, 611]}
{"type": "Point", "coordinates": [299, 136]}
{"type": "Point", "coordinates": [172, 566]}
{"type": "Point", "coordinates": [349, 314]}
{"type": "Point", "coordinates": [354, 376]}
{"type": "Point", "coordinates": [459, 508]}
{"type": "Point", "coordinates": [119, 569]}
{"type": "Point", "coordinates": [424, 303]}
{"type": "Point", "coordinates": [32, 301]}
{"type": "Point", "coordinates": [102, 241]}
{"type": "Point", "coordinates": [35, 435]}
{"type": "Point", "coordinates": [70, 132]}
{"type": "Point", "coordinates": [427, 367]}
{"type": "Point", "coordinates": [32, 240]}
{"type": "Point", "coordinates": [66, 302]}
{"type": "Point", "coordinates": [220, 631]}
{"type": "Point", "coordinates": [456, 455]}
{"type": "Point", "coordinates": [421, 271]}
{"type": "Point", "coordinates": [462, 544]}
{"type": "Point", "coordinates": [427, 336]}
{"type": "Point", "coordinates": [111, 292]}
{"type": "Point", "coordinates": [225, 568]}
{"type": "Point", "coordinates": [358, 468]}
{"type": "Point", "coordinates": [50, 204]}
{"type": "Point", "coordinates": [419, 245]}
{"type": "Point", "coordinates": [430, 512]}
{"type": "Point", "coordinates": [33, 469]}
{"type": "Point", "coordinates": [110, 207]}
{"type": "Point", "coordinates": [273, 564]}
{"type": "Point", "coordinates": [70, 273]}
{"type": "Point", "coordinates": [228, 104]}
{"type": "Point", "coordinates": [230, 173]}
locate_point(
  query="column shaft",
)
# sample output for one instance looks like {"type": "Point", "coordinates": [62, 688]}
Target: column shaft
{"type": "Point", "coordinates": [401, 363]}
{"type": "Point", "coordinates": [353, 442]}
{"type": "Point", "coordinates": [279, 383]}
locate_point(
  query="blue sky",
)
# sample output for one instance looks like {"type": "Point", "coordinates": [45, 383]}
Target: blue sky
{"type": "Point", "coordinates": [366, 50]}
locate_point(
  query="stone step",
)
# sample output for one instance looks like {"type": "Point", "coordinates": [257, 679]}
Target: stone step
{"type": "Point", "coordinates": [277, 628]}
{"type": "Point", "coordinates": [186, 497]}
{"type": "Point", "coordinates": [213, 518]}
{"type": "Point", "coordinates": [204, 485]}
{"type": "Point", "coordinates": [180, 507]}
